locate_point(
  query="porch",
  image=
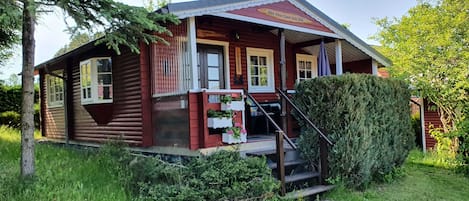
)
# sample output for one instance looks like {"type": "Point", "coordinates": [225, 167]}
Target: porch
{"type": "Point", "coordinates": [212, 56]}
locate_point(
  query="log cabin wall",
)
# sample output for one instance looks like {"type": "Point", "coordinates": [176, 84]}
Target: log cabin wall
{"type": "Point", "coordinates": [52, 118]}
{"type": "Point", "coordinates": [432, 119]}
{"type": "Point", "coordinates": [121, 119]}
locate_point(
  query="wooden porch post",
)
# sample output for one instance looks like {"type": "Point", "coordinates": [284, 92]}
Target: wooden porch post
{"type": "Point", "coordinates": [283, 77]}
{"type": "Point", "coordinates": [338, 57]}
{"type": "Point", "coordinates": [374, 67]}
{"type": "Point", "coordinates": [192, 49]}
{"type": "Point", "coordinates": [280, 161]}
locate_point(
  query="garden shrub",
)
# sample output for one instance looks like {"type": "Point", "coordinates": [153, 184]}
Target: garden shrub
{"type": "Point", "coordinates": [366, 117]}
{"type": "Point", "coordinates": [221, 176]}
{"type": "Point", "coordinates": [10, 106]}
{"type": "Point", "coordinates": [11, 119]}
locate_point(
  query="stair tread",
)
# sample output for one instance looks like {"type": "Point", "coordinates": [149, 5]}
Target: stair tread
{"type": "Point", "coordinates": [300, 176]}
{"type": "Point", "coordinates": [287, 163]}
{"type": "Point", "coordinates": [265, 152]}
{"type": "Point", "coordinates": [308, 191]}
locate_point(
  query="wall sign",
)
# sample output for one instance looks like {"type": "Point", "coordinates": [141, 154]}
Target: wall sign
{"type": "Point", "coordinates": [289, 17]}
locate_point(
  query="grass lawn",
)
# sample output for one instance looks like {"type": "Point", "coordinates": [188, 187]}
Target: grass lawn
{"type": "Point", "coordinates": [422, 181]}
{"type": "Point", "coordinates": [61, 174]}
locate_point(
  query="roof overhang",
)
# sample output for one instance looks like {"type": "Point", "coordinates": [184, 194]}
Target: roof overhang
{"type": "Point", "coordinates": [221, 8]}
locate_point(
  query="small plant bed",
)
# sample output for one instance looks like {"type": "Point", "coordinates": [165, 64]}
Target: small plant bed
{"type": "Point", "coordinates": [421, 178]}
{"type": "Point", "coordinates": [219, 119]}
{"type": "Point", "coordinates": [235, 134]}
{"type": "Point", "coordinates": [232, 103]}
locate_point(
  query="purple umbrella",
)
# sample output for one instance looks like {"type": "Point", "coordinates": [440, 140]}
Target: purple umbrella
{"type": "Point", "coordinates": [324, 69]}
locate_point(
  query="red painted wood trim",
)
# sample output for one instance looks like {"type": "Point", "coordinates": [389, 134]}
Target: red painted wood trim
{"type": "Point", "coordinates": [43, 102]}
{"type": "Point", "coordinates": [283, 8]}
{"type": "Point", "coordinates": [145, 87]}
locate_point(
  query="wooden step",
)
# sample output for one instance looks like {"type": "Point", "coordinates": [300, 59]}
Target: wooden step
{"type": "Point", "coordinates": [265, 152]}
{"type": "Point", "coordinates": [287, 163]}
{"type": "Point", "coordinates": [300, 176]}
{"type": "Point", "coordinates": [308, 191]}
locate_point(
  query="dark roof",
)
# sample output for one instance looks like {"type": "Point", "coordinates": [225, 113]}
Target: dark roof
{"type": "Point", "coordinates": [189, 5]}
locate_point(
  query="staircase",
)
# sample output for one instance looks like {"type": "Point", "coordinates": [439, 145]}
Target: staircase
{"type": "Point", "coordinates": [297, 178]}
{"type": "Point", "coordinates": [301, 180]}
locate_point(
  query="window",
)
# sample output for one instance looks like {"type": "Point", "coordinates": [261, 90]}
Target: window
{"type": "Point", "coordinates": [96, 80]}
{"type": "Point", "coordinates": [260, 70]}
{"type": "Point", "coordinates": [306, 67]}
{"type": "Point", "coordinates": [55, 90]}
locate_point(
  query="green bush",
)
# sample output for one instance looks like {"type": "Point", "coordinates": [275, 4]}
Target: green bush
{"type": "Point", "coordinates": [10, 102]}
{"type": "Point", "coordinates": [368, 119]}
{"type": "Point", "coordinates": [416, 128]}
{"type": "Point", "coordinates": [462, 134]}
{"type": "Point", "coordinates": [11, 119]}
{"type": "Point", "coordinates": [221, 176]}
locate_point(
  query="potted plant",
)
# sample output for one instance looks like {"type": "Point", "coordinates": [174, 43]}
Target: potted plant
{"type": "Point", "coordinates": [234, 134]}
{"type": "Point", "coordinates": [219, 119]}
{"type": "Point", "coordinates": [232, 103]}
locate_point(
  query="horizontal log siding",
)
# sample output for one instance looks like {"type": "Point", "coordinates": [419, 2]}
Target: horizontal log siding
{"type": "Point", "coordinates": [53, 117]}
{"type": "Point", "coordinates": [126, 120]}
{"type": "Point", "coordinates": [194, 120]}
{"type": "Point", "coordinates": [431, 118]}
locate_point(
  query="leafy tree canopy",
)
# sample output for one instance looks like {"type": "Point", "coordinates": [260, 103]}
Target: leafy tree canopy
{"type": "Point", "coordinates": [429, 49]}
{"type": "Point", "coordinates": [10, 25]}
{"type": "Point", "coordinates": [77, 41]}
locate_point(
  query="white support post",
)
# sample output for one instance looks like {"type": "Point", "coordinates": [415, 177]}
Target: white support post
{"type": "Point", "coordinates": [422, 124]}
{"type": "Point", "coordinates": [192, 44]}
{"type": "Point", "coordinates": [338, 57]}
{"type": "Point", "coordinates": [374, 67]}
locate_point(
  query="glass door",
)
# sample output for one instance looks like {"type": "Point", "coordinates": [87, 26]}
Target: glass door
{"type": "Point", "coordinates": [210, 65]}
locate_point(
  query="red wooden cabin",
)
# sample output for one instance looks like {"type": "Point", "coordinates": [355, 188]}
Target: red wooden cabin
{"type": "Point", "coordinates": [161, 97]}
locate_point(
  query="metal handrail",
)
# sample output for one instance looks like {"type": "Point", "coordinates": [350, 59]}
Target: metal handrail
{"type": "Point", "coordinates": [271, 121]}
{"type": "Point", "coordinates": [305, 118]}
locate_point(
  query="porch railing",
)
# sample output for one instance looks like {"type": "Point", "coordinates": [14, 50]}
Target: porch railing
{"type": "Point", "coordinates": [324, 141]}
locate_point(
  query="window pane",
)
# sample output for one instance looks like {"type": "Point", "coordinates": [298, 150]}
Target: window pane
{"type": "Point", "coordinates": [302, 74]}
{"type": "Point", "coordinates": [254, 70]}
{"type": "Point", "coordinates": [104, 65]}
{"type": "Point", "coordinates": [263, 81]}
{"type": "Point", "coordinates": [308, 74]}
{"type": "Point", "coordinates": [254, 60]}
{"type": "Point", "coordinates": [104, 79]}
{"type": "Point", "coordinates": [107, 92]}
{"type": "Point", "coordinates": [213, 74]}
{"type": "Point", "coordinates": [254, 81]}
{"type": "Point", "coordinates": [88, 92]}
{"type": "Point", "coordinates": [308, 65]}
{"type": "Point", "coordinates": [213, 84]}
{"type": "Point", "coordinates": [262, 61]}
{"type": "Point", "coordinates": [263, 71]}
{"type": "Point", "coordinates": [212, 60]}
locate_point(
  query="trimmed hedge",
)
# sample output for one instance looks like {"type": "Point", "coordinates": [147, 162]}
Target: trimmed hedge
{"type": "Point", "coordinates": [10, 106]}
{"type": "Point", "coordinates": [368, 119]}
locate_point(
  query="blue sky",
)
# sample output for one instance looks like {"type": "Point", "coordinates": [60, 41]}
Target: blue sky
{"type": "Point", "coordinates": [50, 35]}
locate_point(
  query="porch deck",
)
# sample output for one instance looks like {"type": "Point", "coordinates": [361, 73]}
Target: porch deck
{"type": "Point", "coordinates": [255, 143]}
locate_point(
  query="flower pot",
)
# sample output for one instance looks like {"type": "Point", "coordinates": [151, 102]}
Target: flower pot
{"type": "Point", "coordinates": [217, 122]}
{"type": "Point", "coordinates": [230, 139]}
{"type": "Point", "coordinates": [233, 105]}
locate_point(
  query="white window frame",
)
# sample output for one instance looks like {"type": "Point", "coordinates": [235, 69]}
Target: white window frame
{"type": "Point", "coordinates": [314, 66]}
{"type": "Point", "coordinates": [94, 99]}
{"type": "Point", "coordinates": [51, 82]}
{"type": "Point", "coordinates": [269, 54]}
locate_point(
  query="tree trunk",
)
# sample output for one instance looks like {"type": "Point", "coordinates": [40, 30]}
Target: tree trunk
{"type": "Point", "coordinates": [27, 111]}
